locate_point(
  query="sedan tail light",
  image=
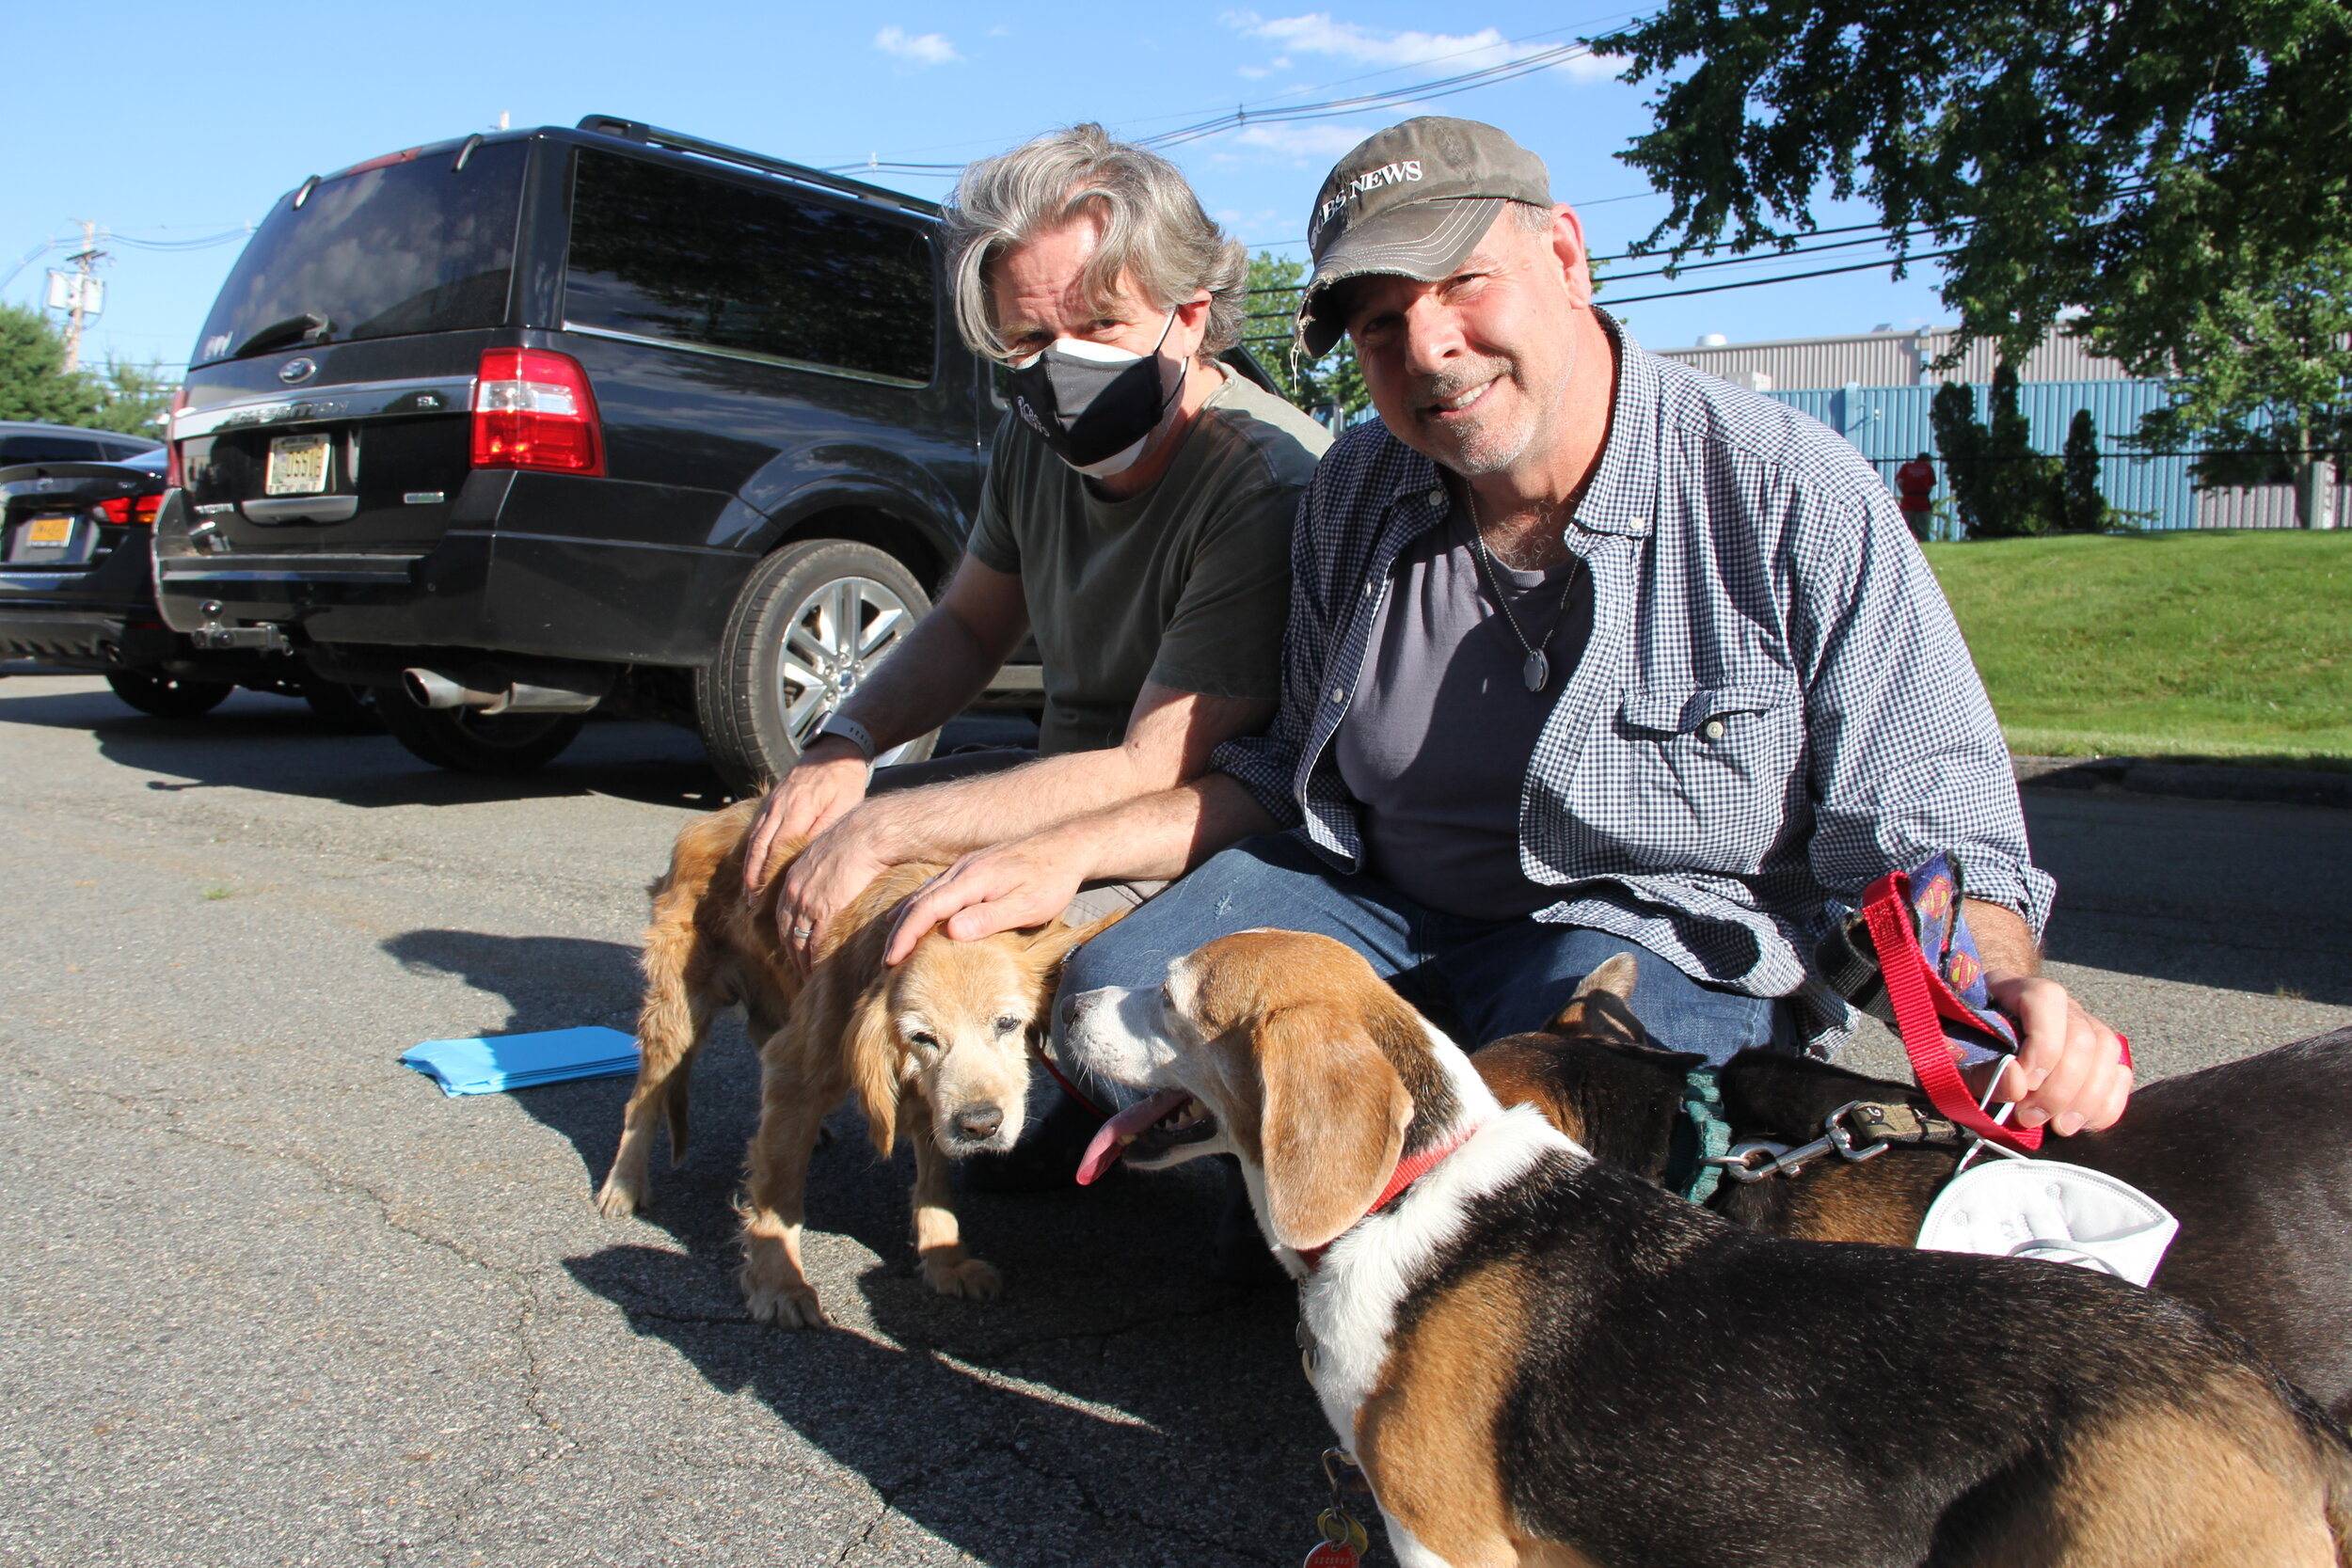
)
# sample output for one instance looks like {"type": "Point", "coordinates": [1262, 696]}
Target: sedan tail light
{"type": "Point", "coordinates": [124, 510]}
{"type": "Point", "coordinates": [534, 409]}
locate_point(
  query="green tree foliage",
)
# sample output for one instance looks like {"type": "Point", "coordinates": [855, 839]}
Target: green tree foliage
{"type": "Point", "coordinates": [2180, 169]}
{"type": "Point", "coordinates": [2266, 385]}
{"type": "Point", "coordinates": [1960, 441]}
{"type": "Point", "coordinates": [2001, 487]}
{"type": "Point", "coordinates": [2081, 508]}
{"type": "Point", "coordinates": [137, 398]}
{"type": "Point", "coordinates": [34, 383]}
{"type": "Point", "coordinates": [1334, 380]}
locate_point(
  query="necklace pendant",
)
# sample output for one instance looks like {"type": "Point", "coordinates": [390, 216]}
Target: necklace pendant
{"type": "Point", "coordinates": [1536, 671]}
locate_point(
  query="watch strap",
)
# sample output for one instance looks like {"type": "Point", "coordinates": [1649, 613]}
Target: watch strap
{"type": "Point", "coordinates": [852, 730]}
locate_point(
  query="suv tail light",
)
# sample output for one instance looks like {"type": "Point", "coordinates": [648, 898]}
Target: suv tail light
{"type": "Point", "coordinates": [173, 477]}
{"type": "Point", "coordinates": [534, 409]}
{"type": "Point", "coordinates": [124, 510]}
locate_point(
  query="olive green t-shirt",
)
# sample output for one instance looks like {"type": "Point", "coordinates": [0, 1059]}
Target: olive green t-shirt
{"type": "Point", "coordinates": [1187, 584]}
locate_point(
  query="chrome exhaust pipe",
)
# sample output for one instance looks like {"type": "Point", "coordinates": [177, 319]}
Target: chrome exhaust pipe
{"type": "Point", "coordinates": [494, 692]}
{"type": "Point", "coordinates": [519, 698]}
{"type": "Point", "coordinates": [438, 689]}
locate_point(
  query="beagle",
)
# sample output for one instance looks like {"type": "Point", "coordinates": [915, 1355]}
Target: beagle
{"type": "Point", "coordinates": [1541, 1360]}
{"type": "Point", "coordinates": [2253, 1156]}
{"type": "Point", "coordinates": [938, 1047]}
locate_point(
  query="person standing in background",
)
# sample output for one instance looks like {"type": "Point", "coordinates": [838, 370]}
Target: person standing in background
{"type": "Point", "coordinates": [1915, 482]}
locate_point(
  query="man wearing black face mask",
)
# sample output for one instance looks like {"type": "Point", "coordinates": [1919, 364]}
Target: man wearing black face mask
{"type": "Point", "coordinates": [1137, 516]}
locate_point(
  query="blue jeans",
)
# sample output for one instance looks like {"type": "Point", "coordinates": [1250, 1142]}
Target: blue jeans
{"type": "Point", "coordinates": [1496, 978]}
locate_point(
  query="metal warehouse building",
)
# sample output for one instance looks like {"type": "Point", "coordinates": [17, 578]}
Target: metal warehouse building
{"type": "Point", "coordinates": [1874, 388]}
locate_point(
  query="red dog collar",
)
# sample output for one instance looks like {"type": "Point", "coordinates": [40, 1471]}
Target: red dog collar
{"type": "Point", "coordinates": [1408, 1170]}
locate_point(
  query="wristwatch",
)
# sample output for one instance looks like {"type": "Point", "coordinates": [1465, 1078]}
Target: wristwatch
{"type": "Point", "coordinates": [852, 730]}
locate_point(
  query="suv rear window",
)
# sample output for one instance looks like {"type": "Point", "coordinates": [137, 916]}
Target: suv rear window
{"type": "Point", "coordinates": [662, 252]}
{"type": "Point", "coordinates": [50, 449]}
{"type": "Point", "coordinates": [410, 247]}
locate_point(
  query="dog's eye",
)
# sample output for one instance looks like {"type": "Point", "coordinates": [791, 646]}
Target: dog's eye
{"type": "Point", "coordinates": [1008, 1025]}
{"type": "Point", "coordinates": [923, 1040]}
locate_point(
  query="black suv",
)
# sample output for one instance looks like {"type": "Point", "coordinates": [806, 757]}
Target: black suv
{"type": "Point", "coordinates": [521, 426]}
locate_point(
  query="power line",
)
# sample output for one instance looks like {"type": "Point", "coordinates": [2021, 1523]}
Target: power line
{"type": "Point", "coordinates": [1789, 278]}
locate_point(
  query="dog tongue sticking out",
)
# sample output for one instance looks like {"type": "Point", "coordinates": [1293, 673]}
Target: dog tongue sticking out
{"type": "Point", "coordinates": [1123, 1128]}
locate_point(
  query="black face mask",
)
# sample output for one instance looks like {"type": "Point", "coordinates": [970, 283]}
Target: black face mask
{"type": "Point", "coordinates": [1095, 404]}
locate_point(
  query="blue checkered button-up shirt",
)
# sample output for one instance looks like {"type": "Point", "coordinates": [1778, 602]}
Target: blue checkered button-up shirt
{"type": "Point", "coordinates": [1775, 707]}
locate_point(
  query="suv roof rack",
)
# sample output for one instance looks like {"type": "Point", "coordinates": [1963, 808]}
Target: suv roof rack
{"type": "Point", "coordinates": [653, 135]}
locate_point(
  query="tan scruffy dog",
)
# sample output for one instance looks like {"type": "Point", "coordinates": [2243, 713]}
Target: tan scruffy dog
{"type": "Point", "coordinates": [940, 1045]}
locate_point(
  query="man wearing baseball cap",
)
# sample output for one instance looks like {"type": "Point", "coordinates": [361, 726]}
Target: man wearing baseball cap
{"type": "Point", "coordinates": [1588, 651]}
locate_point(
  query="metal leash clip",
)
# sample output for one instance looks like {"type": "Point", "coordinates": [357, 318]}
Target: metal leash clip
{"type": "Point", "coordinates": [1345, 1540]}
{"type": "Point", "coordinates": [1780, 1160]}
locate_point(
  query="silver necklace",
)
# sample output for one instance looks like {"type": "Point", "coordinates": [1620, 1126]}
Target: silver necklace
{"type": "Point", "coordinates": [1537, 672]}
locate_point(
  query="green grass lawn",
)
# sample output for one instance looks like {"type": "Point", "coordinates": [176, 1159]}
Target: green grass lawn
{"type": "Point", "coordinates": [2224, 645]}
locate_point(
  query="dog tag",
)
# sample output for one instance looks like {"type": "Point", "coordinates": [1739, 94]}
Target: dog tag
{"type": "Point", "coordinates": [1333, 1554]}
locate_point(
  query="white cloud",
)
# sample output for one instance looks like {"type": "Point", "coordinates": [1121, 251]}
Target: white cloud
{"type": "Point", "coordinates": [1311, 141]}
{"type": "Point", "coordinates": [924, 50]}
{"type": "Point", "coordinates": [1439, 53]}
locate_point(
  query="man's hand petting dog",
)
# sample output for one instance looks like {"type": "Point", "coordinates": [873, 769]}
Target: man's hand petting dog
{"type": "Point", "coordinates": [825, 785]}
{"type": "Point", "coordinates": [1023, 883]}
{"type": "Point", "coordinates": [2069, 1072]}
{"type": "Point", "coordinates": [838, 864]}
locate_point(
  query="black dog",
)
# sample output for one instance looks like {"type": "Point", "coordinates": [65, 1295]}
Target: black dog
{"type": "Point", "coordinates": [2254, 1159]}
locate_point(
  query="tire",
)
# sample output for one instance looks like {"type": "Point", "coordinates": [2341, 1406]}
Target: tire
{"type": "Point", "coordinates": [345, 709]}
{"type": "Point", "coordinates": [166, 696]}
{"type": "Point", "coordinates": [842, 606]}
{"type": "Point", "coordinates": [464, 740]}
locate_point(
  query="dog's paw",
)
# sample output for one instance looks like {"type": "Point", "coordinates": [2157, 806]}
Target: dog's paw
{"type": "Point", "coordinates": [967, 1277]}
{"type": "Point", "coordinates": [787, 1306]}
{"type": "Point", "coordinates": [618, 1199]}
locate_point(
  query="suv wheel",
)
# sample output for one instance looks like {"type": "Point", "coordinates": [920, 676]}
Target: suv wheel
{"type": "Point", "coordinates": [467, 741]}
{"type": "Point", "coordinates": [168, 696]}
{"type": "Point", "coordinates": [812, 621]}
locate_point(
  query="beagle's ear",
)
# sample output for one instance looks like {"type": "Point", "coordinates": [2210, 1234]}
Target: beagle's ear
{"type": "Point", "coordinates": [1615, 975]}
{"type": "Point", "coordinates": [1331, 1121]}
{"type": "Point", "coordinates": [872, 1050]}
{"type": "Point", "coordinates": [1052, 942]}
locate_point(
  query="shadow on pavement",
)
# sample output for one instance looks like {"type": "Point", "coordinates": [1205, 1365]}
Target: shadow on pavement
{"type": "Point", "coordinates": [2242, 897]}
{"type": "Point", "coordinates": [1116, 1405]}
{"type": "Point", "coordinates": [274, 745]}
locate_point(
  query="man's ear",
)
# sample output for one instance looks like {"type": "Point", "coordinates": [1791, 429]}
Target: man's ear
{"type": "Point", "coordinates": [1331, 1121]}
{"type": "Point", "coordinates": [1567, 244]}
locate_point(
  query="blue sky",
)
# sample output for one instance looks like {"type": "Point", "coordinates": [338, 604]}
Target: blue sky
{"type": "Point", "coordinates": [219, 109]}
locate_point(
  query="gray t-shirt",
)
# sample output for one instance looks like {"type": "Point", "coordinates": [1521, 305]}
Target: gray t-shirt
{"type": "Point", "coordinates": [1187, 584]}
{"type": "Point", "coordinates": [1437, 744]}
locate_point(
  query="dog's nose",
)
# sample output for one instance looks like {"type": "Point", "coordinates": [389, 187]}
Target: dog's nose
{"type": "Point", "coordinates": [980, 1122]}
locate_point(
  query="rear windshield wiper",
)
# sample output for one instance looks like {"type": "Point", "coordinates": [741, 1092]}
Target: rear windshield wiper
{"type": "Point", "coordinates": [278, 333]}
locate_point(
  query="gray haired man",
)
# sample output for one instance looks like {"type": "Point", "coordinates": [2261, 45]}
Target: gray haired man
{"type": "Point", "coordinates": [1588, 651]}
{"type": "Point", "coordinates": [1137, 518]}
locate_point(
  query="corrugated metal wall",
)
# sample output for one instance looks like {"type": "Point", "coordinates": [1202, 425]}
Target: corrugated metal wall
{"type": "Point", "coordinates": [1890, 424]}
{"type": "Point", "coordinates": [1882, 359]}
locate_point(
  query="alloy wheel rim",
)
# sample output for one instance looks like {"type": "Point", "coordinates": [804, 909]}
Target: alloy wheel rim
{"type": "Point", "coordinates": [832, 642]}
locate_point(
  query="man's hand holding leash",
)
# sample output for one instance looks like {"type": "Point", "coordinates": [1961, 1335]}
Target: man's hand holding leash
{"type": "Point", "coordinates": [2070, 1071]}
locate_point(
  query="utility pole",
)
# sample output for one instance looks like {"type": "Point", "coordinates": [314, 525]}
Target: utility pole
{"type": "Point", "coordinates": [83, 261]}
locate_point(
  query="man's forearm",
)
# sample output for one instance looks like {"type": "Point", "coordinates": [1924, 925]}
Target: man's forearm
{"type": "Point", "coordinates": [1159, 837]}
{"type": "Point", "coordinates": [2004, 940]}
{"type": "Point", "coordinates": [940, 823]}
{"type": "Point", "coordinates": [927, 680]}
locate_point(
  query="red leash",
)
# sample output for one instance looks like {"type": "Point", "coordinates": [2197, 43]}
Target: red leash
{"type": "Point", "coordinates": [1921, 1000]}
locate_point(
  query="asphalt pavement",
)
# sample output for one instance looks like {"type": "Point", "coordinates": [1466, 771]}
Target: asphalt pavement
{"type": "Point", "coordinates": [268, 1297]}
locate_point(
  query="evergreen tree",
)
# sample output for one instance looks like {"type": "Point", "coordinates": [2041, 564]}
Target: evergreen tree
{"type": "Point", "coordinates": [2081, 508]}
{"type": "Point", "coordinates": [32, 382]}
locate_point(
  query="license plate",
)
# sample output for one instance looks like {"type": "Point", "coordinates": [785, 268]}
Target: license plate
{"type": "Point", "coordinates": [50, 533]}
{"type": "Point", "coordinates": [298, 466]}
